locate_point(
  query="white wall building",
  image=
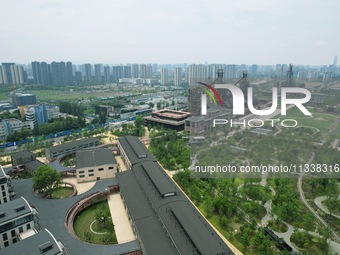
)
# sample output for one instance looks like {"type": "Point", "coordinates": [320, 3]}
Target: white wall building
{"type": "Point", "coordinates": [16, 220]}
{"type": "Point", "coordinates": [95, 164]}
{"type": "Point", "coordinates": [4, 187]}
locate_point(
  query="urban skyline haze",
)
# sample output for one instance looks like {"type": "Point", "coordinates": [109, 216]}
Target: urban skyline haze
{"type": "Point", "coordinates": [150, 31]}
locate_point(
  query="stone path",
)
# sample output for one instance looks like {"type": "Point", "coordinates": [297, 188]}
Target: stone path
{"type": "Point", "coordinates": [120, 219]}
{"type": "Point", "coordinates": [318, 202]}
{"type": "Point", "coordinates": [81, 187]}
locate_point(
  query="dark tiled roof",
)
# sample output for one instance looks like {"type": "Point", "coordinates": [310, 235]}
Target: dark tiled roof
{"type": "Point", "coordinates": [34, 165]}
{"type": "Point", "coordinates": [95, 157]}
{"type": "Point", "coordinates": [135, 149]}
{"type": "Point", "coordinates": [149, 228]}
{"type": "Point", "coordinates": [69, 145]}
{"type": "Point", "coordinates": [14, 209]}
{"type": "Point", "coordinates": [22, 154]}
{"type": "Point", "coordinates": [33, 244]}
{"type": "Point", "coordinates": [185, 228]}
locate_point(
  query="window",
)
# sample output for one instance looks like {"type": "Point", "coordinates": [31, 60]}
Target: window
{"type": "Point", "coordinates": [5, 237]}
{"type": "Point", "coordinates": [101, 169]}
{"type": "Point", "coordinates": [91, 174]}
{"type": "Point", "coordinates": [21, 229]}
{"type": "Point", "coordinates": [81, 176]}
{"type": "Point", "coordinates": [14, 240]}
{"type": "Point", "coordinates": [81, 172]}
{"type": "Point", "coordinates": [6, 243]}
{"type": "Point", "coordinates": [3, 193]}
{"type": "Point", "coordinates": [5, 199]}
{"type": "Point", "coordinates": [28, 226]}
{"type": "Point", "coordinates": [2, 187]}
{"type": "Point", "coordinates": [91, 171]}
{"type": "Point", "coordinates": [13, 233]}
{"type": "Point", "coordinates": [111, 167]}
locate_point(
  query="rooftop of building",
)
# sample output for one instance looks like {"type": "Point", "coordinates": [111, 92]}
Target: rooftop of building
{"type": "Point", "coordinates": [95, 157]}
{"type": "Point", "coordinates": [33, 165]}
{"type": "Point", "coordinates": [14, 209]}
{"type": "Point", "coordinates": [42, 242]}
{"type": "Point", "coordinates": [173, 114]}
{"type": "Point", "coordinates": [23, 154]}
{"type": "Point", "coordinates": [76, 143]}
{"type": "Point", "coordinates": [135, 149]}
{"type": "Point", "coordinates": [2, 172]}
{"type": "Point", "coordinates": [157, 205]}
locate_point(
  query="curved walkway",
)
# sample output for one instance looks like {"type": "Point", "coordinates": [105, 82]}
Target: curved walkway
{"type": "Point", "coordinates": [318, 202]}
{"type": "Point", "coordinates": [81, 187]}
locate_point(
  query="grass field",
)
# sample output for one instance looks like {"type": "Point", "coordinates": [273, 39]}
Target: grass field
{"type": "Point", "coordinates": [84, 220]}
{"type": "Point", "coordinates": [62, 192]}
{"type": "Point", "coordinates": [321, 121]}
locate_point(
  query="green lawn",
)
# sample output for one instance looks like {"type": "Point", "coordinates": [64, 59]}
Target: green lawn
{"type": "Point", "coordinates": [83, 221]}
{"type": "Point", "coordinates": [321, 121]}
{"type": "Point", "coordinates": [62, 192]}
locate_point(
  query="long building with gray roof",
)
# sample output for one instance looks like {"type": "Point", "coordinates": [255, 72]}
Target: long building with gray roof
{"type": "Point", "coordinates": [165, 220]}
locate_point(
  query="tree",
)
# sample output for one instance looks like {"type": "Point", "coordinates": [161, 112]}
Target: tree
{"type": "Point", "coordinates": [46, 179]}
{"type": "Point", "coordinates": [103, 215]}
{"type": "Point", "coordinates": [151, 105]}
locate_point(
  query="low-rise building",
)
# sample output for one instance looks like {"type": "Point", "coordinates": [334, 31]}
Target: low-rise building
{"type": "Point", "coordinates": [95, 164]}
{"type": "Point", "coordinates": [25, 160]}
{"type": "Point", "coordinates": [168, 118]}
{"type": "Point", "coordinates": [132, 151]}
{"type": "Point", "coordinates": [5, 187]}
{"type": "Point", "coordinates": [9, 126]}
{"type": "Point", "coordinates": [22, 157]}
{"type": "Point", "coordinates": [71, 147]}
{"type": "Point", "coordinates": [52, 111]}
{"type": "Point", "coordinates": [42, 243]}
{"type": "Point", "coordinates": [155, 204]}
{"type": "Point", "coordinates": [16, 220]}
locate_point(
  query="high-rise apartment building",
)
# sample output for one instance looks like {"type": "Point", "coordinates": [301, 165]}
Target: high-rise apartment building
{"type": "Point", "coordinates": [7, 71]}
{"type": "Point", "coordinates": [78, 77]}
{"type": "Point", "coordinates": [178, 76]}
{"type": "Point", "coordinates": [36, 69]}
{"type": "Point", "coordinates": [197, 73]}
{"type": "Point", "coordinates": [98, 73]}
{"type": "Point", "coordinates": [149, 71]}
{"type": "Point", "coordinates": [45, 74]}
{"type": "Point", "coordinates": [335, 61]}
{"type": "Point", "coordinates": [164, 76]}
{"type": "Point", "coordinates": [127, 72]}
{"type": "Point", "coordinates": [142, 71]}
{"type": "Point", "coordinates": [135, 71]}
{"type": "Point", "coordinates": [107, 74]}
{"type": "Point", "coordinates": [88, 73]}
{"type": "Point", "coordinates": [58, 72]}
{"type": "Point", "coordinates": [117, 73]}
{"type": "Point", "coordinates": [69, 73]}
{"type": "Point", "coordinates": [17, 73]}
{"type": "Point", "coordinates": [3, 76]}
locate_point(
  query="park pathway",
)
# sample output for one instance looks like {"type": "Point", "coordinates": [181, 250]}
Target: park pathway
{"type": "Point", "coordinates": [120, 219]}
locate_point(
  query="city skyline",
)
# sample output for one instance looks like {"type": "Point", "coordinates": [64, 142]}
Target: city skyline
{"type": "Point", "coordinates": [238, 32]}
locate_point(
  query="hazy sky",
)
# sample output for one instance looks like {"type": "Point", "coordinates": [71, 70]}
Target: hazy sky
{"type": "Point", "coordinates": [176, 31]}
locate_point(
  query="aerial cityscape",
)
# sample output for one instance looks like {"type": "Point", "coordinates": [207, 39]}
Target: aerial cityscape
{"type": "Point", "coordinates": [148, 127]}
